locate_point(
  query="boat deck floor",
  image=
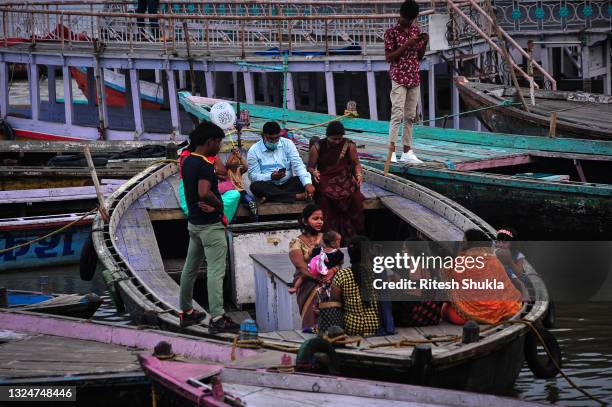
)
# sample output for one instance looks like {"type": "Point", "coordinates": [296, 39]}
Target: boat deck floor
{"type": "Point", "coordinates": [578, 112]}
{"type": "Point", "coordinates": [260, 396]}
{"type": "Point", "coordinates": [434, 153]}
{"type": "Point", "coordinates": [382, 345]}
{"type": "Point", "coordinates": [24, 356]}
{"type": "Point", "coordinates": [593, 114]}
{"type": "Point", "coordinates": [435, 149]}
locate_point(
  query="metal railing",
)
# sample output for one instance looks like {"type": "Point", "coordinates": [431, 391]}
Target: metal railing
{"type": "Point", "coordinates": [327, 34]}
{"type": "Point", "coordinates": [479, 20]}
{"type": "Point", "coordinates": [513, 15]}
{"type": "Point", "coordinates": [557, 15]}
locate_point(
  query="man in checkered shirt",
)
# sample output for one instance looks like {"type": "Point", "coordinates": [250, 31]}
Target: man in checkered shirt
{"type": "Point", "coordinates": [404, 49]}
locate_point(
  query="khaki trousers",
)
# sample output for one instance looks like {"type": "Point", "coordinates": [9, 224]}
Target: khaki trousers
{"type": "Point", "coordinates": [205, 241]}
{"type": "Point", "coordinates": [403, 108]}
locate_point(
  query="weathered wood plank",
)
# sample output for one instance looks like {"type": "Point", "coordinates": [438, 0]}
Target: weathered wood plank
{"type": "Point", "coordinates": [162, 196]}
{"type": "Point", "coordinates": [140, 247]}
{"type": "Point", "coordinates": [425, 220]}
{"type": "Point", "coordinates": [45, 355]}
{"type": "Point", "coordinates": [99, 146]}
{"type": "Point", "coordinates": [53, 194]}
{"type": "Point", "coordinates": [291, 336]}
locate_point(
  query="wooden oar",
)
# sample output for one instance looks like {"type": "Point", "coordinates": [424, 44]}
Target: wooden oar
{"type": "Point", "coordinates": [94, 177]}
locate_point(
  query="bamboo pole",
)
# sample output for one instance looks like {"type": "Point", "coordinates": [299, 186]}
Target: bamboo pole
{"type": "Point", "coordinates": [552, 131]}
{"type": "Point", "coordinates": [94, 177]}
{"type": "Point", "coordinates": [189, 57]}
{"type": "Point", "coordinates": [388, 160]}
{"type": "Point", "coordinates": [506, 54]}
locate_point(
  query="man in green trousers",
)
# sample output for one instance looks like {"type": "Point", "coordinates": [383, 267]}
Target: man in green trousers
{"type": "Point", "coordinates": [206, 230]}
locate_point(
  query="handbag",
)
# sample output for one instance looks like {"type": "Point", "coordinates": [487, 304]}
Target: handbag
{"type": "Point", "coordinates": [330, 312]}
{"type": "Point", "coordinates": [225, 186]}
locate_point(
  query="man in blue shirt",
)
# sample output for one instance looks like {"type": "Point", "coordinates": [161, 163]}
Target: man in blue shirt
{"type": "Point", "coordinates": [276, 171]}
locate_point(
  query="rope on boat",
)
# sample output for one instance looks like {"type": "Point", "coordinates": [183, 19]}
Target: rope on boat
{"type": "Point", "coordinates": [60, 230]}
{"type": "Point", "coordinates": [9, 249]}
{"type": "Point", "coordinates": [335, 119]}
{"type": "Point", "coordinates": [258, 344]}
{"type": "Point", "coordinates": [505, 103]}
{"type": "Point", "coordinates": [310, 126]}
{"type": "Point", "coordinates": [530, 324]}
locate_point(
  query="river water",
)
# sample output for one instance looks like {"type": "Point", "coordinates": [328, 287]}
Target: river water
{"type": "Point", "coordinates": [584, 332]}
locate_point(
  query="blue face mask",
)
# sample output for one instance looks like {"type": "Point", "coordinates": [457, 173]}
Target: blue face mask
{"type": "Point", "coordinates": [270, 146]}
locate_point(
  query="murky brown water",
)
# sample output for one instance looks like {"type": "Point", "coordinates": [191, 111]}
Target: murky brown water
{"type": "Point", "coordinates": [584, 332]}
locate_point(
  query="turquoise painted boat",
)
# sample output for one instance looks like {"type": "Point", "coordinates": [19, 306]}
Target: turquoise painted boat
{"type": "Point", "coordinates": [62, 248]}
{"type": "Point", "coordinates": [562, 182]}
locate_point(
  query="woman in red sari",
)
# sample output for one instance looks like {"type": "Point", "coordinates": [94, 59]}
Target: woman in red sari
{"type": "Point", "coordinates": [335, 167]}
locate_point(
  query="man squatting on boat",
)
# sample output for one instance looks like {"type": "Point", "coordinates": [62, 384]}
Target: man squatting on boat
{"type": "Point", "coordinates": [404, 49]}
{"type": "Point", "coordinates": [206, 229]}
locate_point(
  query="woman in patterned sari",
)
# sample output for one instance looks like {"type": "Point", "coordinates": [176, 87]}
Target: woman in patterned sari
{"type": "Point", "coordinates": [300, 251]}
{"type": "Point", "coordinates": [336, 171]}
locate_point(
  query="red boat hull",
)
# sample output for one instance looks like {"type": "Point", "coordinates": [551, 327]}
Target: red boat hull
{"type": "Point", "coordinates": [114, 97]}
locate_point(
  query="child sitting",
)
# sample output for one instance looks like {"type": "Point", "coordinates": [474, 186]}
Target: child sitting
{"type": "Point", "coordinates": [507, 252]}
{"type": "Point", "coordinates": [236, 166]}
{"type": "Point", "coordinates": [323, 258]}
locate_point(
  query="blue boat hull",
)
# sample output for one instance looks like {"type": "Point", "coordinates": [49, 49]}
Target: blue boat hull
{"type": "Point", "coordinates": [60, 249]}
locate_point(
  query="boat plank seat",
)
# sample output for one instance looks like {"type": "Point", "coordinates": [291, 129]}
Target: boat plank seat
{"type": "Point", "coordinates": [163, 203]}
{"type": "Point", "coordinates": [162, 196]}
{"type": "Point", "coordinates": [432, 224]}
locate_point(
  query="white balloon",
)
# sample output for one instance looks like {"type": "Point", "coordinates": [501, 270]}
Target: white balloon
{"type": "Point", "coordinates": [222, 114]}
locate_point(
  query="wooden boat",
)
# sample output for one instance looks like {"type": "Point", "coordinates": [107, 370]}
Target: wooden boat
{"type": "Point", "coordinates": [202, 384]}
{"type": "Point", "coordinates": [151, 94]}
{"type": "Point", "coordinates": [100, 374]}
{"type": "Point", "coordinates": [40, 164]}
{"type": "Point", "coordinates": [549, 178]}
{"type": "Point", "coordinates": [140, 337]}
{"type": "Point", "coordinates": [70, 305]}
{"type": "Point", "coordinates": [31, 153]}
{"type": "Point", "coordinates": [99, 358]}
{"type": "Point", "coordinates": [147, 206]}
{"type": "Point", "coordinates": [579, 114]}
{"type": "Point", "coordinates": [38, 202]}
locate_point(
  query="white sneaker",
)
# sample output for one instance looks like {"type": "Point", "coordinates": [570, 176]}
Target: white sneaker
{"type": "Point", "coordinates": [393, 157]}
{"type": "Point", "coordinates": [410, 158]}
